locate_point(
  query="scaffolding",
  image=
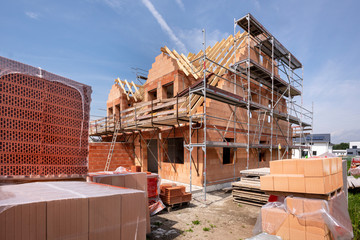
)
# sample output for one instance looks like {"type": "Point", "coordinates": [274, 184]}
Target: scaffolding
{"type": "Point", "coordinates": [256, 47]}
{"type": "Point", "coordinates": [252, 74]}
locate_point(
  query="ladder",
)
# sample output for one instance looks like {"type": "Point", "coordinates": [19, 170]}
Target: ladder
{"type": "Point", "coordinates": [112, 146]}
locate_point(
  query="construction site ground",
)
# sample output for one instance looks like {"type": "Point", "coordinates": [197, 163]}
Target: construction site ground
{"type": "Point", "coordinates": [219, 218]}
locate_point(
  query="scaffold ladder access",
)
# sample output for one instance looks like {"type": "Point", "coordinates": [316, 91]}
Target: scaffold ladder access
{"type": "Point", "coordinates": [112, 146]}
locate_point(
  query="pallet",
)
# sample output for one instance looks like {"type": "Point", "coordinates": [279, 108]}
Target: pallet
{"type": "Point", "coordinates": [251, 185]}
{"type": "Point", "coordinates": [256, 172]}
{"type": "Point", "coordinates": [38, 178]}
{"type": "Point", "coordinates": [247, 191]}
{"type": "Point", "coordinates": [170, 207]}
{"type": "Point", "coordinates": [249, 202]}
{"type": "Point", "coordinates": [327, 196]}
{"type": "Point", "coordinates": [261, 196]}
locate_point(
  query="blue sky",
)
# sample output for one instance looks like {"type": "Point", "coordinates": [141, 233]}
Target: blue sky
{"type": "Point", "coordinates": [96, 41]}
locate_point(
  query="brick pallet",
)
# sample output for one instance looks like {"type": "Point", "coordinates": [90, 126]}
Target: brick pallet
{"type": "Point", "coordinates": [44, 123]}
{"type": "Point", "coordinates": [321, 176]}
{"type": "Point", "coordinates": [315, 207]}
{"type": "Point", "coordinates": [172, 195]}
{"type": "Point", "coordinates": [72, 210]}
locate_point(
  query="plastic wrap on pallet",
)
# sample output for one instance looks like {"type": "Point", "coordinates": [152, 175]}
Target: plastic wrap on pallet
{"type": "Point", "coordinates": [354, 171]}
{"type": "Point", "coordinates": [264, 236]}
{"type": "Point", "coordinates": [124, 178]}
{"type": "Point", "coordinates": [8, 66]}
{"type": "Point", "coordinates": [332, 213]}
{"type": "Point", "coordinates": [44, 123]}
{"type": "Point", "coordinates": [71, 210]}
{"type": "Point", "coordinates": [155, 203]}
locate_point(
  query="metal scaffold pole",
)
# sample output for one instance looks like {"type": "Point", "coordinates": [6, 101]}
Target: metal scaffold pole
{"type": "Point", "coordinates": [288, 116]}
{"type": "Point", "coordinates": [235, 89]}
{"type": "Point", "coordinates": [312, 127]}
{"type": "Point", "coordinates": [272, 99]}
{"type": "Point", "coordinates": [249, 97]}
{"type": "Point", "coordinates": [204, 114]}
{"type": "Point", "coordinates": [190, 148]}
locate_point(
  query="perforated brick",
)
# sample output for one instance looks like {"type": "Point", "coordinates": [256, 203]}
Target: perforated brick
{"type": "Point", "coordinates": [43, 122]}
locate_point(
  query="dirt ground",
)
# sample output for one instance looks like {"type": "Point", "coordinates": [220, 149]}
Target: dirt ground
{"type": "Point", "coordinates": [219, 218]}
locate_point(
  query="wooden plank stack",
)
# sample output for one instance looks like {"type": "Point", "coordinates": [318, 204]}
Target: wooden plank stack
{"type": "Point", "coordinates": [171, 195]}
{"type": "Point", "coordinates": [248, 190]}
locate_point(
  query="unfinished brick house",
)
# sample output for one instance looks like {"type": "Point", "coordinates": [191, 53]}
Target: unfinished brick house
{"type": "Point", "coordinates": [202, 118]}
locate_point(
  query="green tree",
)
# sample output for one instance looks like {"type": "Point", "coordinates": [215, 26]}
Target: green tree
{"type": "Point", "coordinates": [341, 146]}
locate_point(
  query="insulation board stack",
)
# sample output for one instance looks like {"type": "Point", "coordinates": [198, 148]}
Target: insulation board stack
{"type": "Point", "coordinates": [315, 207]}
{"type": "Point", "coordinates": [71, 210]}
{"type": "Point", "coordinates": [44, 121]}
{"type": "Point", "coordinates": [171, 195]}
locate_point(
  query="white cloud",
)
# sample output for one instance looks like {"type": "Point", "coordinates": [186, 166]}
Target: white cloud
{"type": "Point", "coordinates": [257, 4]}
{"type": "Point", "coordinates": [116, 5]}
{"type": "Point", "coordinates": [164, 26]}
{"type": "Point", "coordinates": [194, 38]}
{"type": "Point", "coordinates": [342, 135]}
{"type": "Point", "coordinates": [181, 4]}
{"type": "Point", "coordinates": [335, 97]}
{"type": "Point", "coordinates": [32, 15]}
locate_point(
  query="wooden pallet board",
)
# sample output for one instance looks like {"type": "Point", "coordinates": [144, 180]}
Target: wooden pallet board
{"type": "Point", "coordinates": [246, 184]}
{"type": "Point", "coordinates": [249, 202]}
{"type": "Point", "coordinates": [256, 172]}
{"type": "Point", "coordinates": [255, 195]}
{"type": "Point", "coordinates": [248, 191]}
{"type": "Point", "coordinates": [169, 208]}
{"type": "Point", "coordinates": [353, 182]}
{"type": "Point", "coordinates": [306, 195]}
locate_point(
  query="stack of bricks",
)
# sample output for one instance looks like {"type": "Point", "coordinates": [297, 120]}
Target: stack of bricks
{"type": "Point", "coordinates": [301, 217]}
{"type": "Point", "coordinates": [44, 124]}
{"type": "Point", "coordinates": [171, 195]}
{"type": "Point", "coordinates": [312, 176]}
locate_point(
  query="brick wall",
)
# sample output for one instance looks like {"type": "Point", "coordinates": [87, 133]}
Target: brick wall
{"type": "Point", "coordinates": [98, 153]}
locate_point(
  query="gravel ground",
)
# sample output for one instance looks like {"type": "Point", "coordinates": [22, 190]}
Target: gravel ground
{"type": "Point", "coordinates": [218, 218]}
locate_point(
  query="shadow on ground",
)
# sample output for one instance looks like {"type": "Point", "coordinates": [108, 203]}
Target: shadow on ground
{"type": "Point", "coordinates": [162, 228]}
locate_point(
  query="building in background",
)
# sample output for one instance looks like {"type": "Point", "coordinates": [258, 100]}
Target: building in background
{"type": "Point", "coordinates": [320, 143]}
{"type": "Point", "coordinates": [354, 149]}
{"type": "Point", "coordinates": [339, 152]}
